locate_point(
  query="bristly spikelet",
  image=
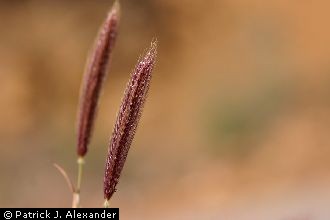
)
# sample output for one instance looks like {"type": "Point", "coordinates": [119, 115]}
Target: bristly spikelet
{"type": "Point", "coordinates": [95, 73]}
{"type": "Point", "coordinates": [127, 119]}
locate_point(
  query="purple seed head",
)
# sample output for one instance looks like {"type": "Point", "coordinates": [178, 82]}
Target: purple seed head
{"type": "Point", "coordinates": [127, 119]}
{"type": "Point", "coordinates": [94, 75]}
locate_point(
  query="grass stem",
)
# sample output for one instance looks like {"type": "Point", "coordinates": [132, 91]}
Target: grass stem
{"type": "Point", "coordinates": [106, 203]}
{"type": "Point", "coordinates": [76, 193]}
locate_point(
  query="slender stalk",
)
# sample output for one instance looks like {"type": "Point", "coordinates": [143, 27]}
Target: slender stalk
{"type": "Point", "coordinates": [106, 204]}
{"type": "Point", "coordinates": [80, 162]}
{"type": "Point", "coordinates": [76, 193]}
{"type": "Point", "coordinates": [66, 177]}
{"type": "Point", "coordinates": [75, 200]}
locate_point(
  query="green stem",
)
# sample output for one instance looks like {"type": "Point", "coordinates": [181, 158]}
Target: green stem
{"type": "Point", "coordinates": [76, 194]}
{"type": "Point", "coordinates": [106, 204]}
{"type": "Point", "coordinates": [80, 162]}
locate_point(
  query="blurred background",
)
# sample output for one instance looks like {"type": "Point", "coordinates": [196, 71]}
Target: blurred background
{"type": "Point", "coordinates": [236, 125]}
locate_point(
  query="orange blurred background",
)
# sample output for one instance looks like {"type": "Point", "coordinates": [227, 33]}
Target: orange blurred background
{"type": "Point", "coordinates": [236, 125]}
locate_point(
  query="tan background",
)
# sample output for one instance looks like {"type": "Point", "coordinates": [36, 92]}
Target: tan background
{"type": "Point", "coordinates": [236, 125]}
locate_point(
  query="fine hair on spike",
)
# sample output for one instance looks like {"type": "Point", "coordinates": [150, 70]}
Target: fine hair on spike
{"type": "Point", "coordinates": [128, 119]}
{"type": "Point", "coordinates": [95, 73]}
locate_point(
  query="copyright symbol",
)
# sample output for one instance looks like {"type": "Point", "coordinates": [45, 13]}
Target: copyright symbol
{"type": "Point", "coordinates": [7, 215]}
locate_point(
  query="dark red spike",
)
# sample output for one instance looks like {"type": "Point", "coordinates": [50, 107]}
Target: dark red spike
{"type": "Point", "coordinates": [95, 73]}
{"type": "Point", "coordinates": [128, 119]}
